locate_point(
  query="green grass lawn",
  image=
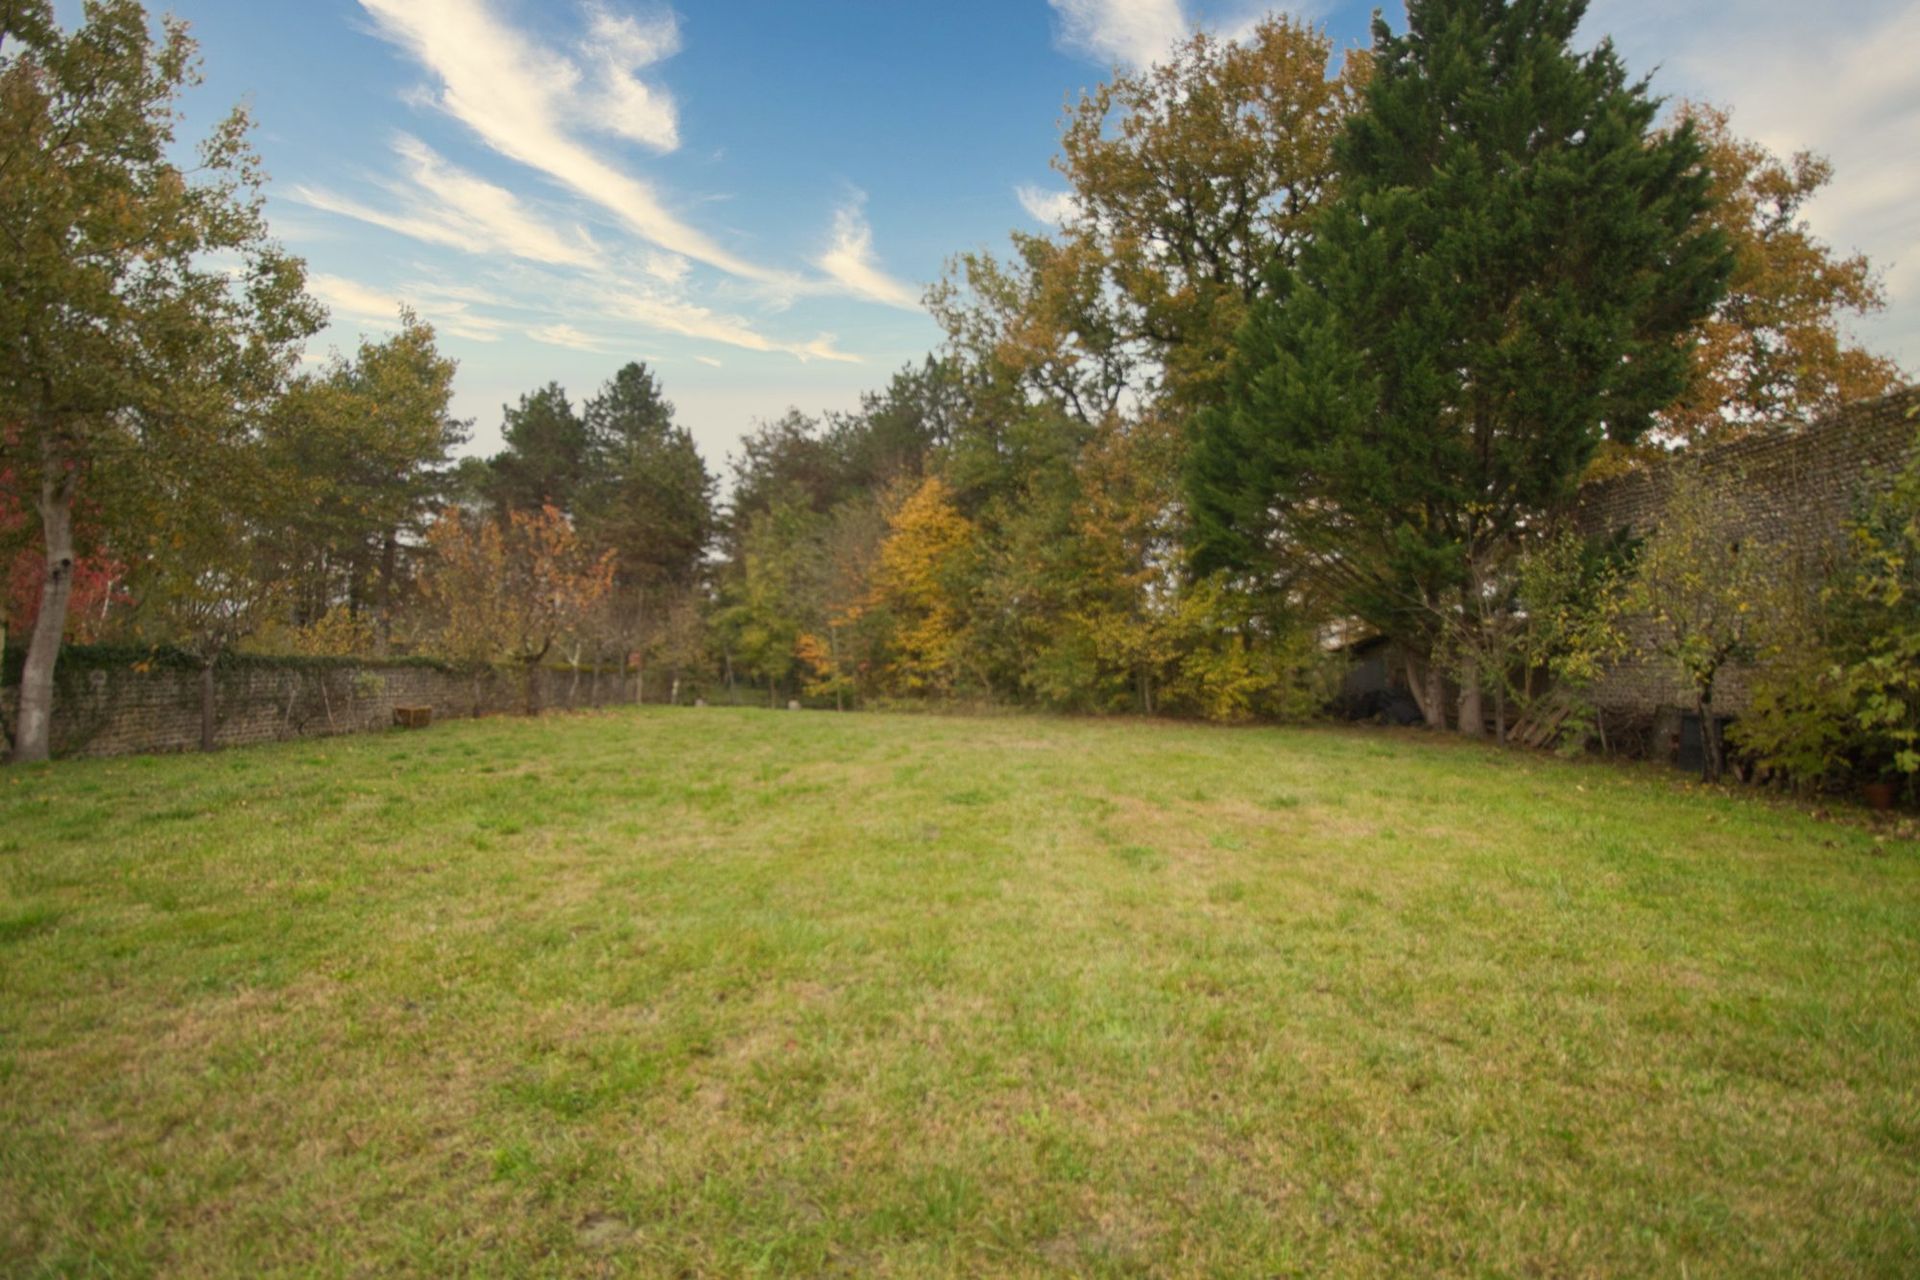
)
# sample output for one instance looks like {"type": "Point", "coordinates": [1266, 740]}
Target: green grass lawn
{"type": "Point", "coordinates": [731, 992]}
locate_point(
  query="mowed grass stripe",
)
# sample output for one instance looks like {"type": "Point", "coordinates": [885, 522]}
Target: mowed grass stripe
{"type": "Point", "coordinates": [727, 991]}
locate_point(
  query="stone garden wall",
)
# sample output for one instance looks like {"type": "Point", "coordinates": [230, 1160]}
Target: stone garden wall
{"type": "Point", "coordinates": [117, 702]}
{"type": "Point", "coordinates": [1796, 489]}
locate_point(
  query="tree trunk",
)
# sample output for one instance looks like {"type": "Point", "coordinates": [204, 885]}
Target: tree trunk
{"type": "Point", "coordinates": [833, 656]}
{"type": "Point", "coordinates": [476, 695]}
{"type": "Point", "coordinates": [573, 688]}
{"type": "Point", "coordinates": [1473, 711]}
{"type": "Point", "coordinates": [1500, 713]}
{"type": "Point", "coordinates": [1429, 690]}
{"type": "Point", "coordinates": [6, 730]}
{"type": "Point", "coordinates": [1416, 683]}
{"type": "Point", "coordinates": [208, 695]}
{"type": "Point", "coordinates": [1712, 758]}
{"type": "Point", "coordinates": [533, 694]}
{"type": "Point", "coordinates": [383, 624]}
{"type": "Point", "coordinates": [33, 735]}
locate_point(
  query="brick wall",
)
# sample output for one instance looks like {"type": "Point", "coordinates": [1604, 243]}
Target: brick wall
{"type": "Point", "coordinates": [1795, 488]}
{"type": "Point", "coordinates": [108, 704]}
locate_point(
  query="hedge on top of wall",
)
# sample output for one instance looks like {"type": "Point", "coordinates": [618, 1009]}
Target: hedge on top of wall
{"type": "Point", "coordinates": [133, 657]}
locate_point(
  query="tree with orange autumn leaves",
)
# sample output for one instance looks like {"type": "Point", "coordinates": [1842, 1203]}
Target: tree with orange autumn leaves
{"type": "Point", "coordinates": [507, 590]}
{"type": "Point", "coordinates": [1775, 349]}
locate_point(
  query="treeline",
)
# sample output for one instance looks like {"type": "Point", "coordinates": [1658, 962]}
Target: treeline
{"type": "Point", "coordinates": [1324, 348]}
{"type": "Point", "coordinates": [1324, 343]}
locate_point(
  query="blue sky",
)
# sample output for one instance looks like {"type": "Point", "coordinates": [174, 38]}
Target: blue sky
{"type": "Point", "coordinates": [751, 195]}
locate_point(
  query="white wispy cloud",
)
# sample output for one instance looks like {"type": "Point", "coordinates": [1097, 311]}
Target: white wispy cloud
{"type": "Point", "coordinates": [619, 46]}
{"type": "Point", "coordinates": [377, 309]}
{"type": "Point", "coordinates": [1795, 78]}
{"type": "Point", "coordinates": [525, 101]}
{"type": "Point", "coordinates": [433, 291]}
{"type": "Point", "coordinates": [350, 297]}
{"type": "Point", "coordinates": [565, 335]}
{"type": "Point", "coordinates": [668, 267]}
{"type": "Point", "coordinates": [440, 203]}
{"type": "Point", "coordinates": [666, 312]}
{"type": "Point", "coordinates": [1042, 205]}
{"type": "Point", "coordinates": [550, 307]}
{"type": "Point", "coordinates": [850, 260]}
{"type": "Point", "coordinates": [1130, 33]}
{"type": "Point", "coordinates": [649, 292]}
{"type": "Point", "coordinates": [824, 348]}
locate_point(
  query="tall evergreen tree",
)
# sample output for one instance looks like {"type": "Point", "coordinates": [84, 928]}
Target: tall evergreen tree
{"type": "Point", "coordinates": [648, 495]}
{"type": "Point", "coordinates": [545, 459]}
{"type": "Point", "coordinates": [1504, 280]}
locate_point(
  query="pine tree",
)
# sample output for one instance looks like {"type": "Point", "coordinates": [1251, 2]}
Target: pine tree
{"type": "Point", "coordinates": [1504, 280]}
{"type": "Point", "coordinates": [648, 495]}
{"type": "Point", "coordinates": [545, 461]}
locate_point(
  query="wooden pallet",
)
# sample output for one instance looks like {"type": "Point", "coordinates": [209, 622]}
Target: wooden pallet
{"type": "Point", "coordinates": [1541, 725]}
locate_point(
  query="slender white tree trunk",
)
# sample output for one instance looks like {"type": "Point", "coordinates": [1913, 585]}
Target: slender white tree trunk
{"type": "Point", "coordinates": [33, 741]}
{"type": "Point", "coordinates": [1429, 690]}
{"type": "Point", "coordinates": [1473, 711]}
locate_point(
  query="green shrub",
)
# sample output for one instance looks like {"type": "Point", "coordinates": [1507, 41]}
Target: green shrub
{"type": "Point", "coordinates": [1230, 668]}
{"type": "Point", "coordinates": [1840, 693]}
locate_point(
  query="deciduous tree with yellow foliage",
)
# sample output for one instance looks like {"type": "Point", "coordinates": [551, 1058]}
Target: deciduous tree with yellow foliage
{"type": "Point", "coordinates": [918, 581]}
